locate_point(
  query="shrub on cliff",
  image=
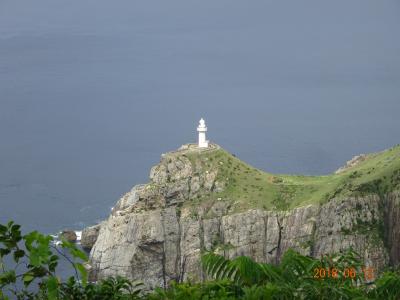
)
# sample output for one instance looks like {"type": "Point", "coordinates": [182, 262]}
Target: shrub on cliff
{"type": "Point", "coordinates": [32, 275]}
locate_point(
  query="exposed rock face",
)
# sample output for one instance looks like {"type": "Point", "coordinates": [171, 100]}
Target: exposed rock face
{"type": "Point", "coordinates": [151, 237]}
{"type": "Point", "coordinates": [89, 236]}
{"type": "Point", "coordinates": [173, 181]}
{"type": "Point", "coordinates": [392, 226]}
{"type": "Point", "coordinates": [352, 163]}
{"type": "Point", "coordinates": [69, 235]}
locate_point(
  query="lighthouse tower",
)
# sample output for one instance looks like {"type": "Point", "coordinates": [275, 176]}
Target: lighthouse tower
{"type": "Point", "coordinates": [202, 129]}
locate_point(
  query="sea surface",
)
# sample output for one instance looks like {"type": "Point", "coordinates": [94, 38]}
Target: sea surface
{"type": "Point", "coordinates": [93, 92]}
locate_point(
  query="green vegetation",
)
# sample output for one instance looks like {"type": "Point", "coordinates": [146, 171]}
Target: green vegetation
{"type": "Point", "coordinates": [300, 277]}
{"type": "Point", "coordinates": [249, 187]}
{"type": "Point", "coordinates": [32, 273]}
{"type": "Point", "coordinates": [33, 276]}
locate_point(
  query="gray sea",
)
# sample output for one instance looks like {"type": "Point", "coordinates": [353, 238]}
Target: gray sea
{"type": "Point", "coordinates": [92, 92]}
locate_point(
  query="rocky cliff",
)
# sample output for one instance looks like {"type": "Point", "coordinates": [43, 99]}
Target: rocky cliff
{"type": "Point", "coordinates": [209, 200]}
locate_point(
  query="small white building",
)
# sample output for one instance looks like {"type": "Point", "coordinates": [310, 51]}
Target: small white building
{"type": "Point", "coordinates": [202, 129]}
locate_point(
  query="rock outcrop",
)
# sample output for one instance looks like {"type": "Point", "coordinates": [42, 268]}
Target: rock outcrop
{"type": "Point", "coordinates": [392, 227]}
{"type": "Point", "coordinates": [89, 236]}
{"type": "Point", "coordinates": [352, 163]}
{"type": "Point", "coordinates": [153, 235]}
{"type": "Point", "coordinates": [69, 235]}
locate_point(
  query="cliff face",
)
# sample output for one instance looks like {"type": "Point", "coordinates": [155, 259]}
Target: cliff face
{"type": "Point", "coordinates": [392, 227]}
{"type": "Point", "coordinates": [156, 232]}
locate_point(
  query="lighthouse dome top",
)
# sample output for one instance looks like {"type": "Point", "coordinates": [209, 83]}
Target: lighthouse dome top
{"type": "Point", "coordinates": [202, 123]}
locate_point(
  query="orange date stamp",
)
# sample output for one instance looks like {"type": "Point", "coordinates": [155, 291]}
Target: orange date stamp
{"type": "Point", "coordinates": [368, 273]}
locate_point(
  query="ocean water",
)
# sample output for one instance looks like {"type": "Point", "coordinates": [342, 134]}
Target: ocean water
{"type": "Point", "coordinates": [92, 92]}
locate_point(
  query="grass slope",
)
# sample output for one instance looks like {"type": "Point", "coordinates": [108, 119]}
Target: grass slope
{"type": "Point", "coordinates": [252, 188]}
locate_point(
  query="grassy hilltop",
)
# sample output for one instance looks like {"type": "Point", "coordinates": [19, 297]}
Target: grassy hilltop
{"type": "Point", "coordinates": [250, 187]}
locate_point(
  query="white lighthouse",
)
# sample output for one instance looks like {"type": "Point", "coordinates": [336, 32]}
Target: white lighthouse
{"type": "Point", "coordinates": [202, 129]}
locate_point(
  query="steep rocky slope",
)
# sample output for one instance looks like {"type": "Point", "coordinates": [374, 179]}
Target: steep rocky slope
{"type": "Point", "coordinates": [209, 200]}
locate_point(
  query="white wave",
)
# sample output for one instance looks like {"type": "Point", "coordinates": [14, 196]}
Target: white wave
{"type": "Point", "coordinates": [56, 237]}
{"type": "Point", "coordinates": [78, 236]}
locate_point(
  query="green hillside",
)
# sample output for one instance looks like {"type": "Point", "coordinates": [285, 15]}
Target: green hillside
{"type": "Point", "coordinates": [249, 187]}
